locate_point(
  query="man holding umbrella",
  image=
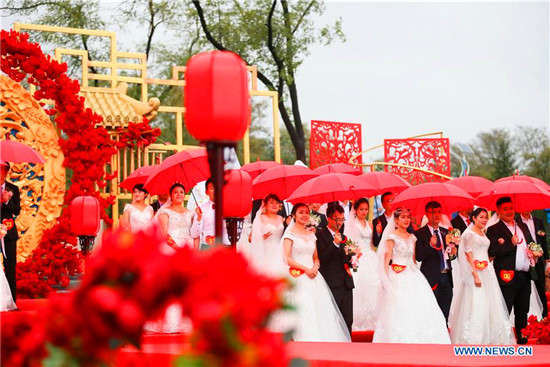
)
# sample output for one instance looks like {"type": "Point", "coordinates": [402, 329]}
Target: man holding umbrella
{"type": "Point", "coordinates": [509, 239]}
{"type": "Point", "coordinates": [10, 207]}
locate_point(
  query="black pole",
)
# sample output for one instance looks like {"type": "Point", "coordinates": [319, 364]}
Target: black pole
{"type": "Point", "coordinates": [215, 159]}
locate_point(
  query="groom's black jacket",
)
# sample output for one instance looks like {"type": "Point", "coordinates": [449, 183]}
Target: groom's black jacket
{"type": "Point", "coordinates": [332, 261]}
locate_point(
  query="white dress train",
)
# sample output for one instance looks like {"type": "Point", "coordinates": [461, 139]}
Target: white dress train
{"type": "Point", "coordinates": [478, 314]}
{"type": "Point", "coordinates": [316, 316]}
{"type": "Point", "coordinates": [409, 312]}
{"type": "Point", "coordinates": [179, 225]}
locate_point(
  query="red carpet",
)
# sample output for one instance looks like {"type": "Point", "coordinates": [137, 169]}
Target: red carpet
{"type": "Point", "coordinates": [162, 350]}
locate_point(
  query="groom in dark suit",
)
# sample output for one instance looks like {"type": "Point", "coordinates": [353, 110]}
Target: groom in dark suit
{"type": "Point", "coordinates": [333, 261]}
{"type": "Point", "coordinates": [10, 207]}
{"type": "Point", "coordinates": [509, 240]}
{"type": "Point", "coordinates": [431, 249]}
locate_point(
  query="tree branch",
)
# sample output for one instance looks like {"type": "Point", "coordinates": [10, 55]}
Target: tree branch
{"type": "Point", "coordinates": [299, 22]}
{"type": "Point", "coordinates": [34, 5]}
{"type": "Point", "coordinates": [204, 26]}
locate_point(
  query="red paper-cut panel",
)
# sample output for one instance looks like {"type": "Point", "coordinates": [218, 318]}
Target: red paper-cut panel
{"type": "Point", "coordinates": [333, 142]}
{"type": "Point", "coordinates": [430, 154]}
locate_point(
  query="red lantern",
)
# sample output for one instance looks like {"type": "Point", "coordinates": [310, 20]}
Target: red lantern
{"type": "Point", "coordinates": [217, 100]}
{"type": "Point", "coordinates": [85, 217]}
{"type": "Point", "coordinates": [237, 194]}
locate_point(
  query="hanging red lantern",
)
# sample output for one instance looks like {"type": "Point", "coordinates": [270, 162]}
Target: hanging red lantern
{"type": "Point", "coordinates": [85, 221]}
{"type": "Point", "coordinates": [237, 194]}
{"type": "Point", "coordinates": [217, 99]}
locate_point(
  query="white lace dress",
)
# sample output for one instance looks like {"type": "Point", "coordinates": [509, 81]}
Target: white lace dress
{"type": "Point", "coordinates": [317, 317]}
{"type": "Point", "coordinates": [139, 220]}
{"type": "Point", "coordinates": [266, 255]}
{"type": "Point", "coordinates": [478, 314]}
{"type": "Point", "coordinates": [409, 312]}
{"type": "Point", "coordinates": [366, 280]}
{"type": "Point", "coordinates": [179, 225]}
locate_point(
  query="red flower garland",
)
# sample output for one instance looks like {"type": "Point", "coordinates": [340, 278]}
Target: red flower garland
{"type": "Point", "coordinates": [539, 330]}
{"type": "Point", "coordinates": [87, 151]}
{"type": "Point", "coordinates": [129, 281]}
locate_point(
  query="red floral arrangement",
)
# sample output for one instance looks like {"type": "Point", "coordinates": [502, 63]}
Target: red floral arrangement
{"type": "Point", "coordinates": [129, 281]}
{"type": "Point", "coordinates": [138, 134]}
{"type": "Point", "coordinates": [87, 150]}
{"type": "Point", "coordinates": [539, 330]}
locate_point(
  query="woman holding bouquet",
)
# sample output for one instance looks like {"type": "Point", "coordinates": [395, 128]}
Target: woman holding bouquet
{"type": "Point", "coordinates": [409, 312]}
{"type": "Point", "coordinates": [266, 251]}
{"type": "Point", "coordinates": [366, 278]}
{"type": "Point", "coordinates": [317, 315]}
{"type": "Point", "coordinates": [478, 311]}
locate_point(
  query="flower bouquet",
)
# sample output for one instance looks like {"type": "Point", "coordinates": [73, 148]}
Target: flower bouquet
{"type": "Point", "coordinates": [534, 251]}
{"type": "Point", "coordinates": [353, 249]}
{"type": "Point", "coordinates": [537, 330]}
{"type": "Point", "coordinates": [453, 239]}
{"type": "Point", "coordinates": [313, 223]}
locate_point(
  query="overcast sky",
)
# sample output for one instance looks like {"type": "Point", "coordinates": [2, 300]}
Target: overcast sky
{"type": "Point", "coordinates": [412, 68]}
{"type": "Point", "coordinates": [409, 68]}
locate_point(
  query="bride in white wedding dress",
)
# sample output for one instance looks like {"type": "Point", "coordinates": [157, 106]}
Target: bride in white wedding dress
{"type": "Point", "coordinates": [6, 299]}
{"type": "Point", "coordinates": [317, 317]}
{"type": "Point", "coordinates": [478, 311]}
{"type": "Point", "coordinates": [175, 222]}
{"type": "Point", "coordinates": [366, 279]}
{"type": "Point", "coordinates": [409, 312]}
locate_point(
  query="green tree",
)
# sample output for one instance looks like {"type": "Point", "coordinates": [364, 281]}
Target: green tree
{"type": "Point", "coordinates": [275, 36]}
{"type": "Point", "coordinates": [533, 146]}
{"type": "Point", "coordinates": [494, 155]}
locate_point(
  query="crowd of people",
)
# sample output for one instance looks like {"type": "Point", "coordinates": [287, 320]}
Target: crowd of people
{"type": "Point", "coordinates": [351, 274]}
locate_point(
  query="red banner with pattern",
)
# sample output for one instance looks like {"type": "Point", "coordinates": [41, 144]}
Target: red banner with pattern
{"type": "Point", "coordinates": [430, 154]}
{"type": "Point", "coordinates": [333, 142]}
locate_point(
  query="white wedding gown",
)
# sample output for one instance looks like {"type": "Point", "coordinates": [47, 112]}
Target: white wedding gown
{"type": "Point", "coordinates": [478, 314]}
{"type": "Point", "coordinates": [179, 225]}
{"type": "Point", "coordinates": [316, 316]}
{"type": "Point", "coordinates": [139, 220]}
{"type": "Point", "coordinates": [266, 255]}
{"type": "Point", "coordinates": [6, 301]}
{"type": "Point", "coordinates": [366, 279]}
{"type": "Point", "coordinates": [409, 312]}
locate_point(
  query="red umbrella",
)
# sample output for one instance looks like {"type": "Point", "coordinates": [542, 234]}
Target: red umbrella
{"type": "Point", "coordinates": [536, 181]}
{"type": "Point", "coordinates": [337, 168]}
{"type": "Point", "coordinates": [331, 187]}
{"type": "Point", "coordinates": [473, 185]}
{"type": "Point", "coordinates": [452, 198]}
{"type": "Point", "coordinates": [281, 181]}
{"type": "Point", "coordinates": [188, 167]}
{"type": "Point", "coordinates": [139, 176]}
{"type": "Point", "coordinates": [385, 181]}
{"type": "Point", "coordinates": [256, 168]}
{"type": "Point", "coordinates": [526, 195]}
{"type": "Point", "coordinates": [16, 152]}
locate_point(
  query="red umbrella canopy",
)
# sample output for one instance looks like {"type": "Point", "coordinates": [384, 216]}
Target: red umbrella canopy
{"type": "Point", "coordinates": [337, 168]}
{"type": "Point", "coordinates": [451, 198]}
{"type": "Point", "coordinates": [473, 185]}
{"type": "Point", "coordinates": [281, 181]}
{"type": "Point", "coordinates": [536, 181]}
{"type": "Point", "coordinates": [187, 167]}
{"type": "Point", "coordinates": [526, 195]}
{"type": "Point", "coordinates": [16, 152]}
{"type": "Point", "coordinates": [256, 168]}
{"type": "Point", "coordinates": [331, 187]}
{"type": "Point", "coordinates": [139, 176]}
{"type": "Point", "coordinates": [385, 181]}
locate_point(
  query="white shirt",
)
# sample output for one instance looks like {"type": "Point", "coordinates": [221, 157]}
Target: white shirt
{"type": "Point", "coordinates": [522, 261]}
{"type": "Point", "coordinates": [445, 256]}
{"type": "Point", "coordinates": [531, 225]}
{"type": "Point", "coordinates": [207, 225]}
